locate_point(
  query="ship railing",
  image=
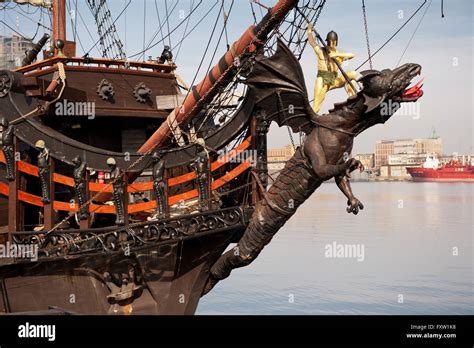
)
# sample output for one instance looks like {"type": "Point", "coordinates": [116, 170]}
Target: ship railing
{"type": "Point", "coordinates": [233, 170]}
{"type": "Point", "coordinates": [97, 62]}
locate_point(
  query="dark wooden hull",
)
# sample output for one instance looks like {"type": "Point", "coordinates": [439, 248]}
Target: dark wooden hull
{"type": "Point", "coordinates": [172, 274]}
{"type": "Point", "coordinates": [170, 271]}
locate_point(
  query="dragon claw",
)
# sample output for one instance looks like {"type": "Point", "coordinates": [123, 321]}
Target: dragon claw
{"type": "Point", "coordinates": [354, 205]}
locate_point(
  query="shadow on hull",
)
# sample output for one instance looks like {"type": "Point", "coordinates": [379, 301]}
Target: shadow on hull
{"type": "Point", "coordinates": [159, 279]}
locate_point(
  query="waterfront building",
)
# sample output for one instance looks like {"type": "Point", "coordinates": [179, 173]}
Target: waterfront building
{"type": "Point", "coordinates": [386, 148]}
{"type": "Point", "coordinates": [277, 157]}
{"type": "Point", "coordinates": [12, 51]}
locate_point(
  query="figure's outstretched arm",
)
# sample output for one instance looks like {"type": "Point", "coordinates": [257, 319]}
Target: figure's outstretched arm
{"type": "Point", "coordinates": [311, 40]}
{"type": "Point", "coordinates": [343, 55]}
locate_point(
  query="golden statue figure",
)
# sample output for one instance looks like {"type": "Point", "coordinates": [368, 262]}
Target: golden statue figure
{"type": "Point", "coordinates": [328, 77]}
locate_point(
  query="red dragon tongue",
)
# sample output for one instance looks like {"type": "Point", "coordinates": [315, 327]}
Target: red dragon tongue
{"type": "Point", "coordinates": [414, 92]}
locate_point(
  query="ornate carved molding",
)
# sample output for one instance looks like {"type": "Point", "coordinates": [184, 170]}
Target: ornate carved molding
{"type": "Point", "coordinates": [73, 243]}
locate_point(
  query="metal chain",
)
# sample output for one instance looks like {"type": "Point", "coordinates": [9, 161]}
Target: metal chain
{"type": "Point", "coordinates": [367, 34]}
{"type": "Point", "coordinates": [291, 136]}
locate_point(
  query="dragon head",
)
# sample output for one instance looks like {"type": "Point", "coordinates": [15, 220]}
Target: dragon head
{"type": "Point", "coordinates": [380, 86]}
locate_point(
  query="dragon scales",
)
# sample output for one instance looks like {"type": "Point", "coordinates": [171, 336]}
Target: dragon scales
{"type": "Point", "coordinates": [279, 86]}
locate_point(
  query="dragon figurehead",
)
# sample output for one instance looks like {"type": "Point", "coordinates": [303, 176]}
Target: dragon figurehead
{"type": "Point", "coordinates": [280, 94]}
{"type": "Point", "coordinates": [389, 88]}
{"type": "Point", "coordinates": [392, 84]}
{"type": "Point", "coordinates": [381, 97]}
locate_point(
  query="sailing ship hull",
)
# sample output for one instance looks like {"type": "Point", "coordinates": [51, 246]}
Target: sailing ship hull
{"type": "Point", "coordinates": [136, 264]}
{"type": "Point", "coordinates": [171, 270]}
{"type": "Point", "coordinates": [169, 279]}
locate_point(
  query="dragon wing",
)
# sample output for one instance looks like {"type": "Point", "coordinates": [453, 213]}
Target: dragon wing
{"type": "Point", "coordinates": [280, 90]}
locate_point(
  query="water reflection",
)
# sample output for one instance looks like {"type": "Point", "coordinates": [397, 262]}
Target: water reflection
{"type": "Point", "coordinates": [409, 231]}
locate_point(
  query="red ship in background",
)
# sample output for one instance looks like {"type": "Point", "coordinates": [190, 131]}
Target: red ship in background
{"type": "Point", "coordinates": [453, 171]}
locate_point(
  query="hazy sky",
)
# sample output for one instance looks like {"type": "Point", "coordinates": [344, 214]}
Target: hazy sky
{"type": "Point", "coordinates": [443, 46]}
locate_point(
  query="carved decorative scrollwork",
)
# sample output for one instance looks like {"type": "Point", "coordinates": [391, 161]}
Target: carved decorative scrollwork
{"type": "Point", "coordinates": [159, 185]}
{"type": "Point", "coordinates": [44, 171]}
{"type": "Point", "coordinates": [6, 144]}
{"type": "Point", "coordinates": [105, 90]}
{"type": "Point", "coordinates": [68, 243]}
{"type": "Point", "coordinates": [142, 93]}
{"type": "Point", "coordinates": [203, 179]}
{"type": "Point", "coordinates": [79, 175]}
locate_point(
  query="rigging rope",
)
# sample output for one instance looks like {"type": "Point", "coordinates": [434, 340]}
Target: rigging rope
{"type": "Point", "coordinates": [253, 12]}
{"type": "Point", "coordinates": [212, 60]}
{"type": "Point", "coordinates": [111, 46]}
{"type": "Point", "coordinates": [169, 34]}
{"type": "Point", "coordinates": [184, 32]}
{"type": "Point", "coordinates": [195, 26]}
{"type": "Point", "coordinates": [297, 40]}
{"type": "Point", "coordinates": [168, 21]}
{"type": "Point", "coordinates": [61, 76]}
{"type": "Point", "coordinates": [394, 34]}
{"type": "Point", "coordinates": [75, 26]}
{"type": "Point", "coordinates": [175, 127]}
{"type": "Point", "coordinates": [414, 32]}
{"type": "Point", "coordinates": [226, 17]}
{"type": "Point", "coordinates": [75, 19]}
{"type": "Point", "coordinates": [148, 152]}
{"type": "Point", "coordinates": [31, 20]}
{"type": "Point", "coordinates": [159, 30]}
{"type": "Point", "coordinates": [366, 27]}
{"type": "Point", "coordinates": [113, 23]}
{"type": "Point", "coordinates": [144, 27]}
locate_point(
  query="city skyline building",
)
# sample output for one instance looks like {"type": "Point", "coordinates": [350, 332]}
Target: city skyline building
{"type": "Point", "coordinates": [12, 50]}
{"type": "Point", "coordinates": [417, 146]}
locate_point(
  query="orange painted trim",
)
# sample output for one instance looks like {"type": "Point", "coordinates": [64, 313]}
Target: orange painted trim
{"type": "Point", "coordinates": [230, 175]}
{"type": "Point", "coordinates": [140, 186]}
{"type": "Point", "coordinates": [133, 208]}
{"type": "Point", "coordinates": [63, 206]}
{"type": "Point", "coordinates": [214, 185]}
{"type": "Point", "coordinates": [138, 207]}
{"type": "Point", "coordinates": [62, 179]}
{"type": "Point", "coordinates": [96, 187]}
{"type": "Point", "coordinates": [181, 179]}
{"type": "Point", "coordinates": [4, 189]}
{"type": "Point", "coordinates": [102, 209]}
{"type": "Point", "coordinates": [136, 187]}
{"type": "Point", "coordinates": [183, 197]}
{"type": "Point", "coordinates": [30, 199]}
{"type": "Point", "coordinates": [232, 154]}
{"type": "Point", "coordinates": [27, 168]}
{"type": "Point", "coordinates": [214, 165]}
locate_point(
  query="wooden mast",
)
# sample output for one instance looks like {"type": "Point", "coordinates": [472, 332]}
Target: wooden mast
{"type": "Point", "coordinates": [59, 20]}
{"type": "Point", "coordinates": [253, 38]}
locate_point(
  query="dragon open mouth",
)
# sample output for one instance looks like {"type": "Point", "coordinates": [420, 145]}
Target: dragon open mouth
{"type": "Point", "coordinates": [414, 92]}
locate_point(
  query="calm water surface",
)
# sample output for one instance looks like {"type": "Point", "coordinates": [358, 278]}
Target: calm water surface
{"type": "Point", "coordinates": [409, 232]}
